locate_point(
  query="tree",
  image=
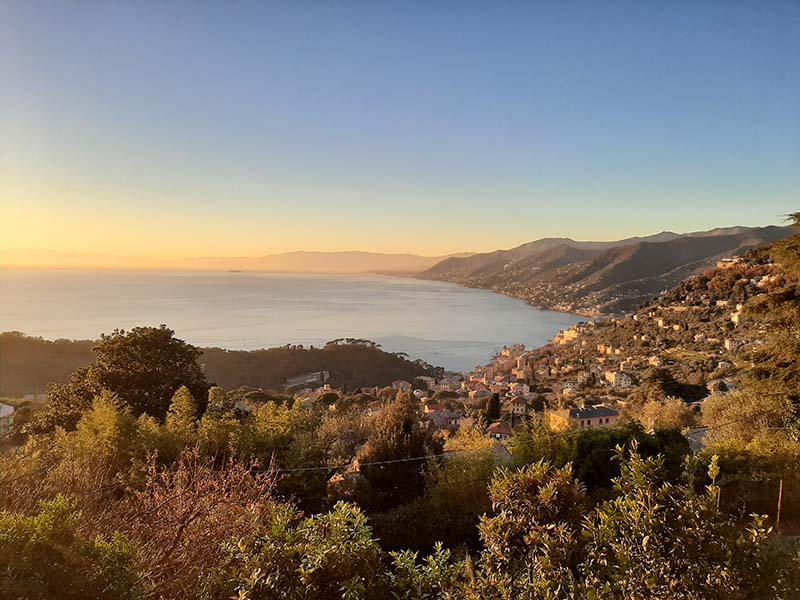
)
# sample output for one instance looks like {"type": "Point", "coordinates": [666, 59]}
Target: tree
{"type": "Point", "coordinates": [145, 366]}
{"type": "Point", "coordinates": [456, 495]}
{"type": "Point", "coordinates": [493, 410]}
{"type": "Point", "coordinates": [670, 413]}
{"type": "Point", "coordinates": [396, 437]}
{"type": "Point", "coordinates": [181, 418]}
{"type": "Point", "coordinates": [142, 367]}
{"type": "Point", "coordinates": [532, 545]}
{"type": "Point", "coordinates": [744, 415]}
{"type": "Point", "coordinates": [662, 540]}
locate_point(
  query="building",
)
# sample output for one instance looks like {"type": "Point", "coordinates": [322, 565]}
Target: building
{"type": "Point", "coordinates": [618, 379]}
{"type": "Point", "coordinates": [582, 418]}
{"type": "Point", "coordinates": [499, 432]}
{"type": "Point", "coordinates": [446, 419]}
{"type": "Point", "coordinates": [519, 388]}
{"type": "Point", "coordinates": [731, 345]}
{"type": "Point", "coordinates": [519, 407]}
{"type": "Point", "coordinates": [402, 386]}
{"type": "Point", "coordinates": [6, 417]}
{"type": "Point", "coordinates": [729, 263]}
{"type": "Point", "coordinates": [307, 380]}
{"type": "Point", "coordinates": [429, 382]}
{"type": "Point", "coordinates": [570, 388]}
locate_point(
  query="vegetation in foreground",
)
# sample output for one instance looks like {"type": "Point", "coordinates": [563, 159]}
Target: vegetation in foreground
{"type": "Point", "coordinates": [139, 479]}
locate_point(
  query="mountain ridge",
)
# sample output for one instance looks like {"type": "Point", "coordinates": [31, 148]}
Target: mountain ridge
{"type": "Point", "coordinates": [300, 261]}
{"type": "Point", "coordinates": [595, 278]}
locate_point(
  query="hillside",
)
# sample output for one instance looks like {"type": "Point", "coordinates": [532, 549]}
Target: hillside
{"type": "Point", "coordinates": [29, 364]}
{"type": "Point", "coordinates": [596, 278]}
{"type": "Point", "coordinates": [720, 325]}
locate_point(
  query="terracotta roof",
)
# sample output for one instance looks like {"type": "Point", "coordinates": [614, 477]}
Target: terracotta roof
{"type": "Point", "coordinates": [500, 428]}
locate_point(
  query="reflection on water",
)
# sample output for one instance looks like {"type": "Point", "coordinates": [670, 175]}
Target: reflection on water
{"type": "Point", "coordinates": [441, 323]}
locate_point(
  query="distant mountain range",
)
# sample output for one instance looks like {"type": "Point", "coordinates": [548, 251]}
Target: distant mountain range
{"type": "Point", "coordinates": [590, 278]}
{"type": "Point", "coordinates": [294, 262]}
{"type": "Point", "coordinates": [596, 278]}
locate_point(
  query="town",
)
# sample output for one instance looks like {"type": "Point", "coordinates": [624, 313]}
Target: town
{"type": "Point", "coordinates": [687, 344]}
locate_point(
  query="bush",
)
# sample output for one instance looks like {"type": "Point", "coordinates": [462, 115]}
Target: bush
{"type": "Point", "coordinates": [43, 557]}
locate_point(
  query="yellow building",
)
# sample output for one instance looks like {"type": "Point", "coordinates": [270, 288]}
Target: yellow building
{"type": "Point", "coordinates": [595, 417]}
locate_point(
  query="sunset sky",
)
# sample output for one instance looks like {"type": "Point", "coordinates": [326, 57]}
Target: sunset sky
{"type": "Point", "coordinates": [174, 129]}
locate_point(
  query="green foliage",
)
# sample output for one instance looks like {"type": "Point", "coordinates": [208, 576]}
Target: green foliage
{"type": "Point", "coordinates": [181, 418]}
{"type": "Point", "coordinates": [438, 576]}
{"type": "Point", "coordinates": [590, 452]}
{"type": "Point", "coordinates": [532, 543]}
{"type": "Point", "coordinates": [43, 557]}
{"type": "Point", "coordinates": [396, 436]}
{"type": "Point", "coordinates": [142, 367]}
{"type": "Point", "coordinates": [455, 497]}
{"type": "Point", "coordinates": [661, 540]}
{"type": "Point", "coordinates": [744, 415]}
{"type": "Point", "coordinates": [324, 557]}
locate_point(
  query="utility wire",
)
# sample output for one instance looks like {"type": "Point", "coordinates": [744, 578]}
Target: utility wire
{"type": "Point", "coordinates": [456, 452]}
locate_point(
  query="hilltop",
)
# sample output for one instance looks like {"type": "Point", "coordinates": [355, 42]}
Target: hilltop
{"type": "Point", "coordinates": [30, 363]}
{"type": "Point", "coordinates": [596, 278]}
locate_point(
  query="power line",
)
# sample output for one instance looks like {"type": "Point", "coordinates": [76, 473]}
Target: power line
{"type": "Point", "coordinates": [456, 452]}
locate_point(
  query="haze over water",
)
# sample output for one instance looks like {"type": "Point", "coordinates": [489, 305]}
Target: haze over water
{"type": "Point", "coordinates": [441, 323]}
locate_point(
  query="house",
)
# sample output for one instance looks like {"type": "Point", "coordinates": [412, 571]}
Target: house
{"type": "Point", "coordinates": [618, 379]}
{"type": "Point", "coordinates": [519, 388]}
{"type": "Point", "coordinates": [6, 417]}
{"type": "Point", "coordinates": [731, 345]}
{"type": "Point", "coordinates": [519, 407]}
{"type": "Point", "coordinates": [570, 388]}
{"type": "Point", "coordinates": [446, 419]}
{"type": "Point", "coordinates": [432, 408]}
{"type": "Point", "coordinates": [500, 432]}
{"type": "Point", "coordinates": [429, 382]}
{"type": "Point", "coordinates": [582, 418]}
{"type": "Point", "coordinates": [402, 386]}
{"type": "Point", "coordinates": [306, 380]}
{"type": "Point", "coordinates": [729, 263]}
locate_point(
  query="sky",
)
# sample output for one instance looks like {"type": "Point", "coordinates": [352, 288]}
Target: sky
{"type": "Point", "coordinates": [177, 129]}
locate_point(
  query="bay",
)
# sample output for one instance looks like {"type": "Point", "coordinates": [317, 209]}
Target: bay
{"type": "Point", "coordinates": [442, 323]}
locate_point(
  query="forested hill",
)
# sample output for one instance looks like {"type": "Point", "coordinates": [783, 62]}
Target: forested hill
{"type": "Point", "coordinates": [596, 278]}
{"type": "Point", "coordinates": [28, 364]}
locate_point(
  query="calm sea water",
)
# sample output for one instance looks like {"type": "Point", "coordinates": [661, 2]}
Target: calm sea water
{"type": "Point", "coordinates": [441, 323]}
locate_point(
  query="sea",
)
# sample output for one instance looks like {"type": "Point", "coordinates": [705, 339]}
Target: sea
{"type": "Point", "coordinates": [441, 323]}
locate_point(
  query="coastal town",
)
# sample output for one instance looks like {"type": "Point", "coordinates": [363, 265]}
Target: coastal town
{"type": "Point", "coordinates": [687, 344]}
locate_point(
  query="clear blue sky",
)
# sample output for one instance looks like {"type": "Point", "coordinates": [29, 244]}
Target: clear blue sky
{"type": "Point", "coordinates": [230, 128]}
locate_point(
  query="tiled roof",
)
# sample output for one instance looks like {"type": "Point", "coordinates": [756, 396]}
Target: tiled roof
{"type": "Point", "coordinates": [592, 412]}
